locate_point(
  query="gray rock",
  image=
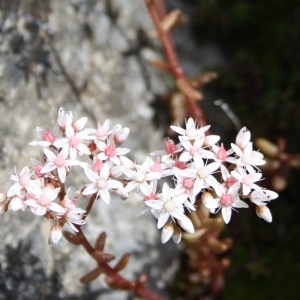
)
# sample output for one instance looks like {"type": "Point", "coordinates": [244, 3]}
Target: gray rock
{"type": "Point", "coordinates": [85, 57]}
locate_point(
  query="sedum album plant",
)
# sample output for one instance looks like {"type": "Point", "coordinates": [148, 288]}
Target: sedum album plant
{"type": "Point", "coordinates": [196, 174]}
{"type": "Point", "coordinates": [192, 187]}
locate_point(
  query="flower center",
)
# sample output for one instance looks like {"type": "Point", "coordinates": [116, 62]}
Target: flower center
{"type": "Point", "coordinates": [248, 180]}
{"type": "Point", "coordinates": [169, 206]}
{"type": "Point", "coordinates": [188, 183]}
{"type": "Point", "coordinates": [150, 197]}
{"type": "Point", "coordinates": [226, 200]}
{"type": "Point", "coordinates": [59, 161]}
{"type": "Point", "coordinates": [140, 177]}
{"type": "Point", "coordinates": [101, 183]}
{"type": "Point", "coordinates": [202, 173]}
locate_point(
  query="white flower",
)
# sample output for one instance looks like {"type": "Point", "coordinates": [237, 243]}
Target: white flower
{"type": "Point", "coordinates": [22, 181]}
{"type": "Point", "coordinates": [185, 180]}
{"type": "Point", "coordinates": [109, 151]}
{"type": "Point", "coordinates": [75, 215]}
{"type": "Point", "coordinates": [247, 156]}
{"type": "Point", "coordinates": [139, 177]}
{"type": "Point", "coordinates": [247, 177]}
{"type": "Point", "coordinates": [191, 148]}
{"type": "Point", "coordinates": [42, 199]}
{"type": "Point", "coordinates": [103, 131]}
{"type": "Point", "coordinates": [227, 200]}
{"type": "Point", "coordinates": [101, 184]}
{"type": "Point", "coordinates": [169, 205]}
{"type": "Point", "coordinates": [203, 174]}
{"type": "Point", "coordinates": [158, 168]}
{"type": "Point", "coordinates": [191, 132]}
{"type": "Point", "coordinates": [74, 141]}
{"type": "Point", "coordinates": [58, 161]}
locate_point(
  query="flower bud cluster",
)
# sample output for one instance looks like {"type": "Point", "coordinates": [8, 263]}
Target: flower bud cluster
{"type": "Point", "coordinates": [170, 182]}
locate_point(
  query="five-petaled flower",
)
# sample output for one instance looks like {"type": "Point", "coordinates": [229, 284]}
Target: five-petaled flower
{"type": "Point", "coordinates": [42, 201]}
{"type": "Point", "coordinates": [101, 184]}
{"type": "Point", "coordinates": [227, 199]}
{"type": "Point", "coordinates": [59, 162]}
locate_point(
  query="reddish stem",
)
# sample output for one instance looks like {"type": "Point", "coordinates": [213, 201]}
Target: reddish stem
{"type": "Point", "coordinates": [156, 10]}
{"type": "Point", "coordinates": [114, 279]}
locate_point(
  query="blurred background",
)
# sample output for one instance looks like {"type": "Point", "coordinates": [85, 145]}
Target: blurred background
{"type": "Point", "coordinates": [256, 49]}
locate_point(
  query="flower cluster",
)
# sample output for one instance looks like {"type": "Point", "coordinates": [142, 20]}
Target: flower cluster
{"type": "Point", "coordinates": [201, 169]}
{"type": "Point", "coordinates": [171, 183]}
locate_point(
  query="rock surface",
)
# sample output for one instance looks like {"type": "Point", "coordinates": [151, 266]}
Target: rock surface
{"type": "Point", "coordinates": [85, 56]}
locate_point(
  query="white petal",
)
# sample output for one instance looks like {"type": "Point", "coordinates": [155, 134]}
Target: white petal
{"type": "Point", "coordinates": [49, 154]}
{"type": "Point", "coordinates": [186, 224]}
{"type": "Point", "coordinates": [155, 204]}
{"type": "Point", "coordinates": [90, 189]}
{"type": "Point", "coordinates": [162, 220]}
{"type": "Point", "coordinates": [105, 196]}
{"type": "Point", "coordinates": [166, 233]}
{"type": "Point", "coordinates": [226, 213]}
{"type": "Point", "coordinates": [240, 204]}
{"type": "Point", "coordinates": [91, 175]}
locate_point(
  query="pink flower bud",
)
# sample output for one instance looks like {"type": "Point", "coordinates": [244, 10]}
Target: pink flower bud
{"type": "Point", "coordinates": [121, 135]}
{"type": "Point", "coordinates": [221, 153]}
{"type": "Point", "coordinates": [48, 136]}
{"type": "Point", "coordinates": [170, 146]}
{"type": "Point", "coordinates": [180, 165]}
{"type": "Point", "coordinates": [97, 166]}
